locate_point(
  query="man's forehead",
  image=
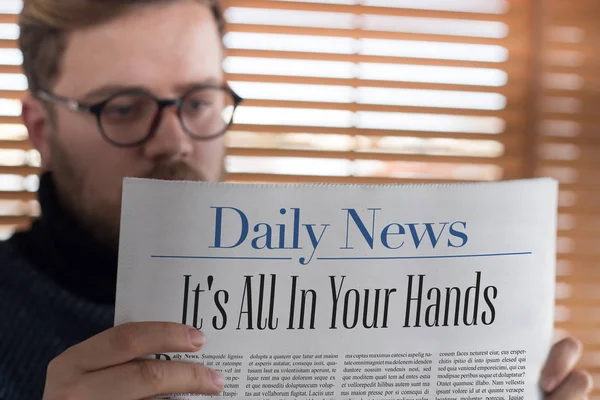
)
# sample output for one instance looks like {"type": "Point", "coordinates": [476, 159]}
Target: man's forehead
{"type": "Point", "coordinates": [109, 89]}
{"type": "Point", "coordinates": [165, 47]}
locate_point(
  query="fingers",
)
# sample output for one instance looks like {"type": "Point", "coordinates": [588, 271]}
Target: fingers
{"type": "Point", "coordinates": [147, 378]}
{"type": "Point", "coordinates": [576, 386]}
{"type": "Point", "coordinates": [127, 342]}
{"type": "Point", "coordinates": [561, 361]}
{"type": "Point", "coordinates": [108, 365]}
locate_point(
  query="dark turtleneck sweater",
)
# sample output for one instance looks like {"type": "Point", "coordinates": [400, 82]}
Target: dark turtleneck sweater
{"type": "Point", "coordinates": [57, 289]}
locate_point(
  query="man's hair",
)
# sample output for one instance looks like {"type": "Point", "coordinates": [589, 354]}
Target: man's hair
{"type": "Point", "coordinates": [46, 24]}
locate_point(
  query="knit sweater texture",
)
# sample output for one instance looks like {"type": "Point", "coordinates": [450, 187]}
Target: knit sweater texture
{"type": "Point", "coordinates": [56, 290]}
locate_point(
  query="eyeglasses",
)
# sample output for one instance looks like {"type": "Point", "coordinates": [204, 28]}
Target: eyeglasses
{"type": "Point", "coordinates": [131, 117]}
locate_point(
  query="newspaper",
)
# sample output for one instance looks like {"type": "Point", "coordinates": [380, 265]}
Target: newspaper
{"type": "Point", "coordinates": [348, 292]}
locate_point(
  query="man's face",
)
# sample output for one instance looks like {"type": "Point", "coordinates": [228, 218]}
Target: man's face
{"type": "Point", "coordinates": [165, 49]}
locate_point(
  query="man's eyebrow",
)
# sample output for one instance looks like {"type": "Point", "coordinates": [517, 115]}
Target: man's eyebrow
{"type": "Point", "coordinates": [206, 82]}
{"type": "Point", "coordinates": [109, 90]}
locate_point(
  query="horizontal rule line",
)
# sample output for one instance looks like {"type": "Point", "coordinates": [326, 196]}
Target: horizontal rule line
{"type": "Point", "coordinates": [346, 258]}
{"type": "Point", "coordinates": [225, 258]}
{"type": "Point", "coordinates": [526, 253]}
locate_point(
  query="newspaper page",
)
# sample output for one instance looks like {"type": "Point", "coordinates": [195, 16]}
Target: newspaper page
{"type": "Point", "coordinates": [348, 292]}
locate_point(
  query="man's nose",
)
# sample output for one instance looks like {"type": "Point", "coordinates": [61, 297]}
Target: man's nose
{"type": "Point", "coordinates": [169, 140]}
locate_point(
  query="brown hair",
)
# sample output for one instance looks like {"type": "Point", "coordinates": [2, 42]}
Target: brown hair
{"type": "Point", "coordinates": [45, 25]}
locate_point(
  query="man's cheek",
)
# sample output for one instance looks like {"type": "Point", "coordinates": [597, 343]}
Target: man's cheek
{"type": "Point", "coordinates": [212, 162]}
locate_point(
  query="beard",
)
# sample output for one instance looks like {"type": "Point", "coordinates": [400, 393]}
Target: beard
{"type": "Point", "coordinates": [99, 212]}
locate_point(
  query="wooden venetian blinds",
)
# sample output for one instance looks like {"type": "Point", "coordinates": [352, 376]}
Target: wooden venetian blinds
{"type": "Point", "coordinates": [380, 91]}
{"type": "Point", "coordinates": [568, 149]}
{"type": "Point", "coordinates": [18, 163]}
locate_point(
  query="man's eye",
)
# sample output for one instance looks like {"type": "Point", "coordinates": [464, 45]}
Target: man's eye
{"type": "Point", "coordinates": [196, 105]}
{"type": "Point", "coordinates": [120, 111]}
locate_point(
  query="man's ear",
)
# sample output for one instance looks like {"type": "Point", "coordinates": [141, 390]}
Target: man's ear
{"type": "Point", "coordinates": [37, 121]}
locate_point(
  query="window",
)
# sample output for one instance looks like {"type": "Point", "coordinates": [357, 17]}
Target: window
{"type": "Point", "coordinates": [568, 149]}
{"type": "Point", "coordinates": [382, 92]}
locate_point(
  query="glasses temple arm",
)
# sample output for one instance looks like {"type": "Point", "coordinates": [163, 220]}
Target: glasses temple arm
{"type": "Point", "coordinates": [72, 105]}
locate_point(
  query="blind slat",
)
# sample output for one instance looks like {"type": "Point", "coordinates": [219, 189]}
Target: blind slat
{"type": "Point", "coordinates": [15, 144]}
{"type": "Point", "coordinates": [511, 139]}
{"type": "Point", "coordinates": [371, 9]}
{"type": "Point", "coordinates": [15, 220]}
{"type": "Point", "coordinates": [585, 49]}
{"type": "Point", "coordinates": [11, 94]}
{"type": "Point", "coordinates": [18, 195]}
{"type": "Point", "coordinates": [10, 120]}
{"type": "Point", "coordinates": [356, 155]}
{"type": "Point", "coordinates": [20, 170]}
{"type": "Point", "coordinates": [587, 118]}
{"type": "Point", "coordinates": [591, 69]}
{"type": "Point", "coordinates": [514, 44]}
{"type": "Point", "coordinates": [514, 89]}
{"type": "Point", "coordinates": [578, 279]}
{"type": "Point", "coordinates": [10, 69]}
{"type": "Point", "coordinates": [513, 67]}
{"type": "Point", "coordinates": [590, 142]}
{"type": "Point", "coordinates": [370, 180]}
{"type": "Point", "coordinates": [579, 94]}
{"type": "Point", "coordinates": [8, 44]}
{"type": "Point", "coordinates": [8, 19]}
{"type": "Point", "coordinates": [507, 114]}
{"type": "Point", "coordinates": [587, 163]}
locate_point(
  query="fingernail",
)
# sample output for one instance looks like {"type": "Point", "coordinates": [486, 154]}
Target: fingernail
{"type": "Point", "coordinates": [217, 378]}
{"type": "Point", "coordinates": [548, 384]}
{"type": "Point", "coordinates": [197, 337]}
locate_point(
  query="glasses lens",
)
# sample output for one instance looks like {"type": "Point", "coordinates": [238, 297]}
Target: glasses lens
{"type": "Point", "coordinates": [207, 112]}
{"type": "Point", "coordinates": [128, 118]}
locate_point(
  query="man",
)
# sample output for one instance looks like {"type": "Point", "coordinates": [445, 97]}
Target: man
{"type": "Point", "coordinates": [104, 77]}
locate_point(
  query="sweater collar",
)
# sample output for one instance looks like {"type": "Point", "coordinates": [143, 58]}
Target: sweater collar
{"type": "Point", "coordinates": [67, 253]}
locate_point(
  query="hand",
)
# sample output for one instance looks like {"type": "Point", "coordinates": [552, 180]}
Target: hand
{"type": "Point", "coordinates": [105, 366]}
{"type": "Point", "coordinates": [559, 379]}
